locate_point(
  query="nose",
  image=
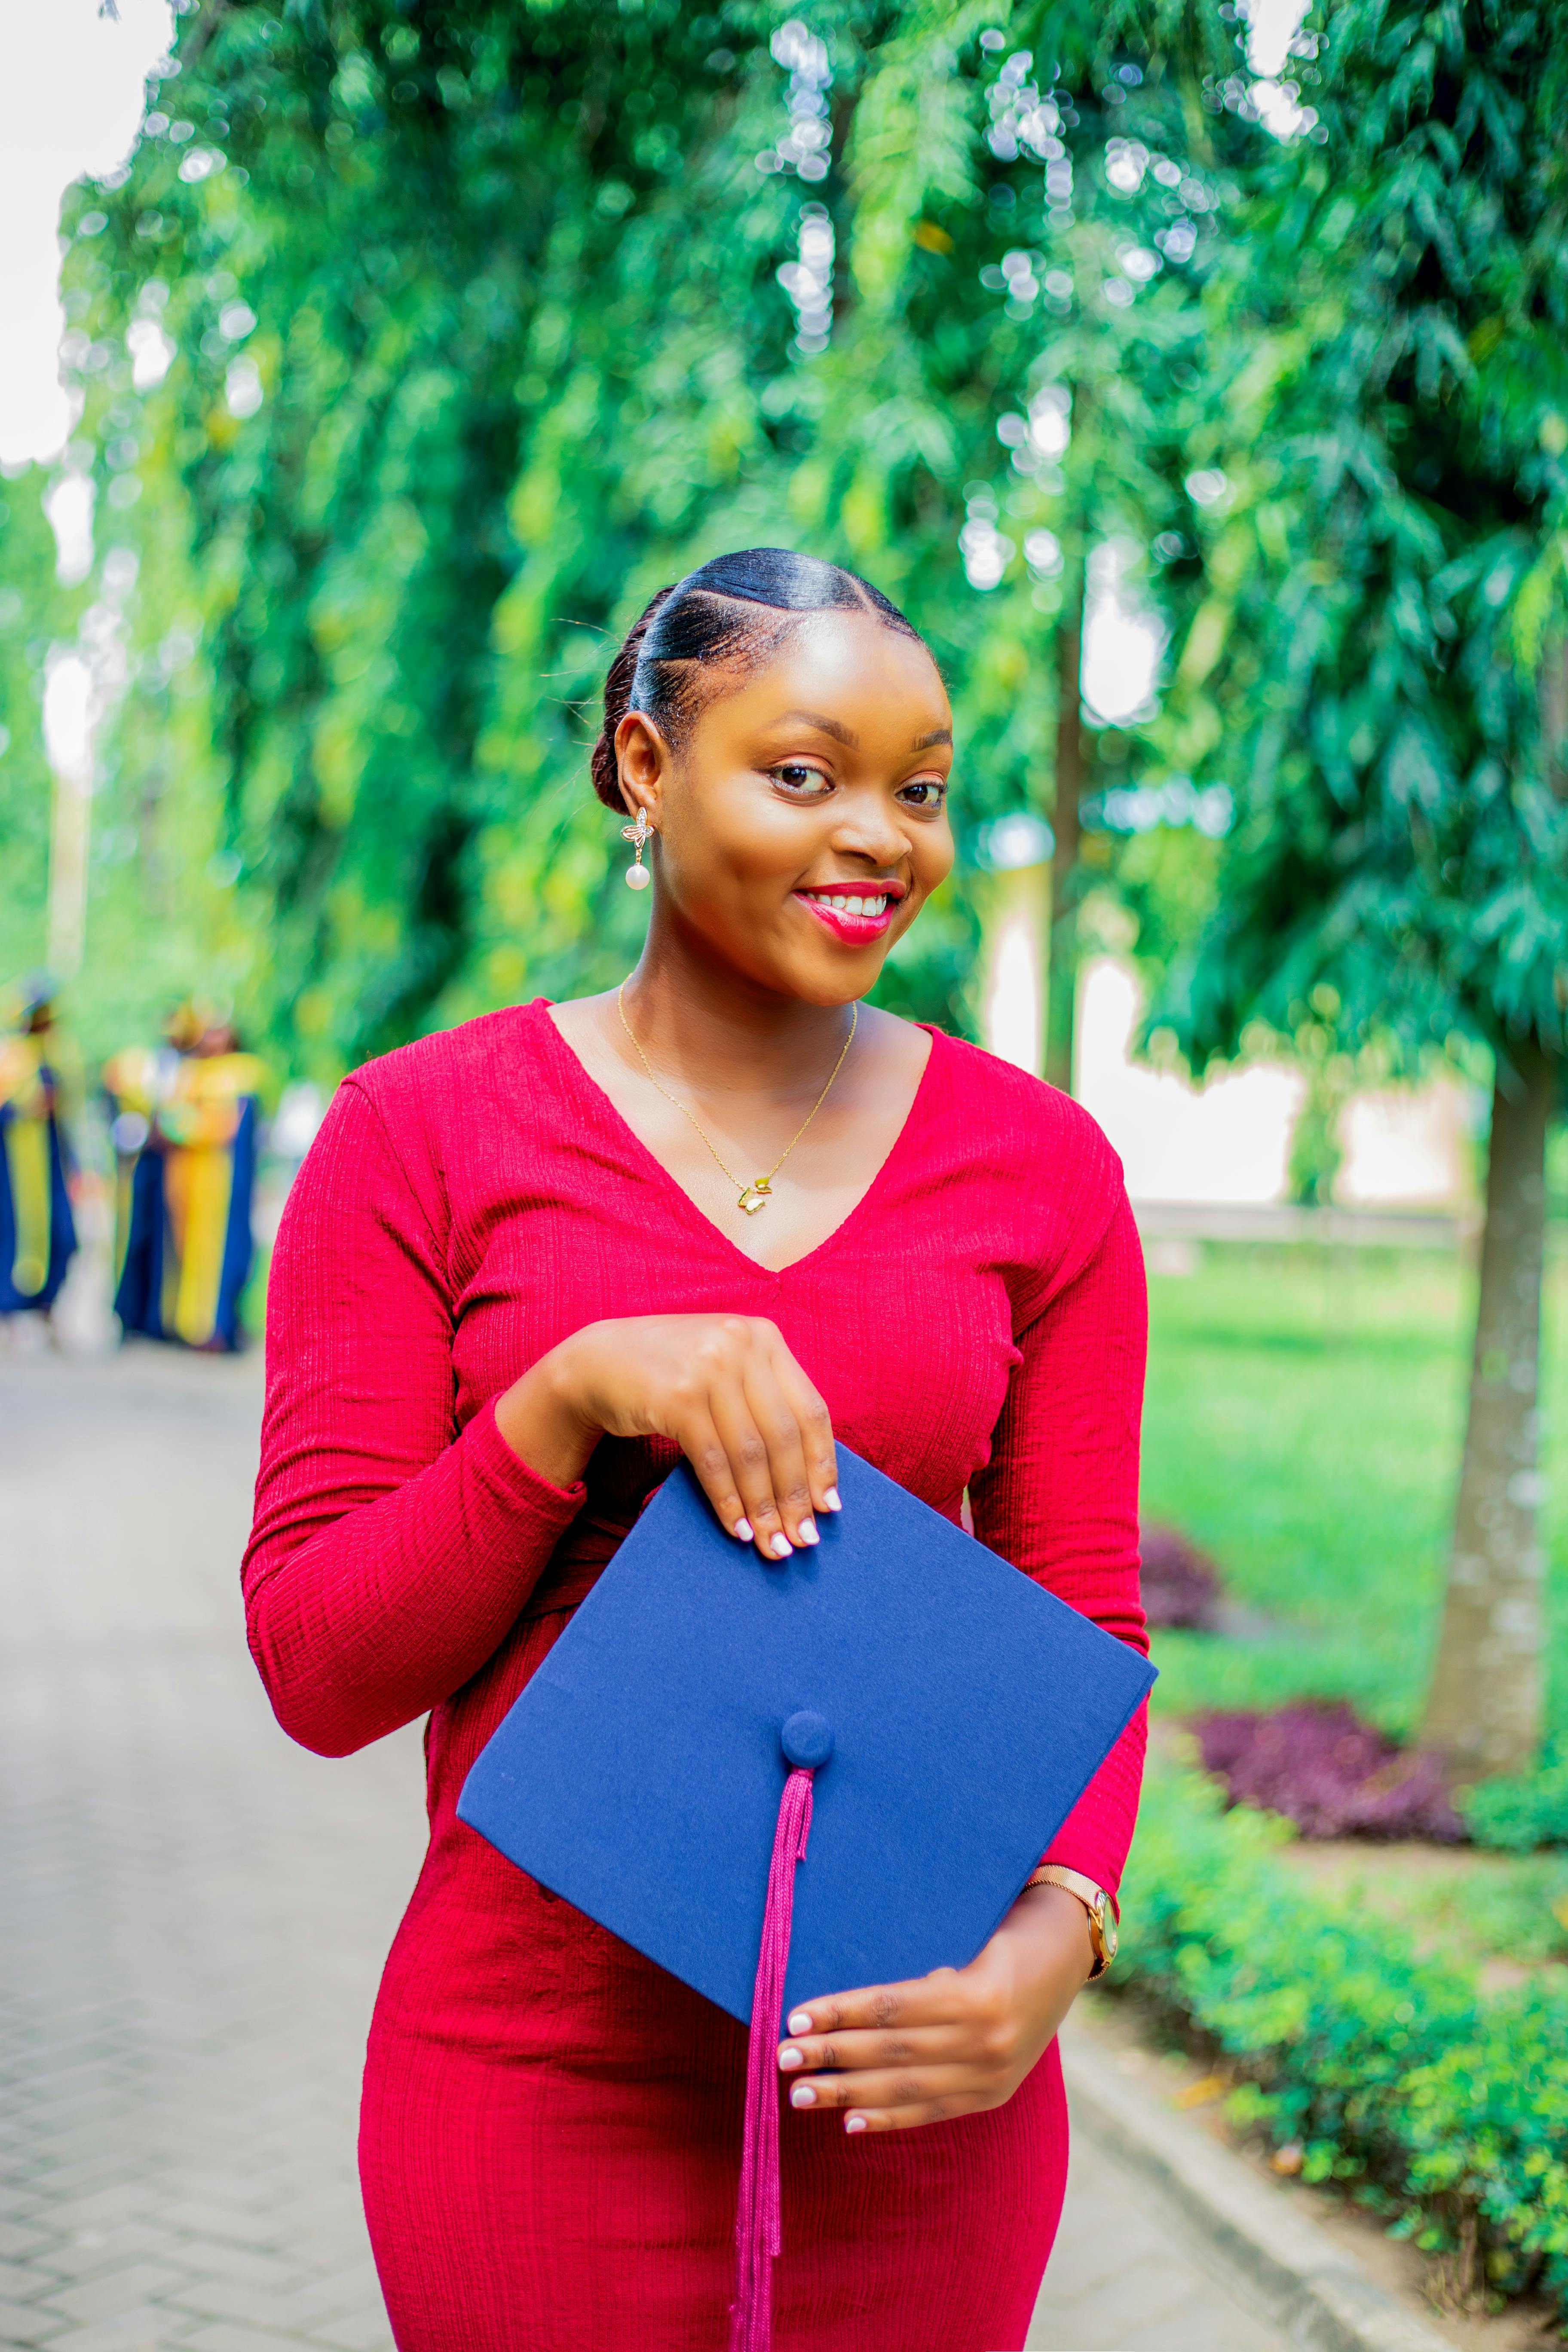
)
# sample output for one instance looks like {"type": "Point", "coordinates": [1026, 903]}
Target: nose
{"type": "Point", "coordinates": [869, 826]}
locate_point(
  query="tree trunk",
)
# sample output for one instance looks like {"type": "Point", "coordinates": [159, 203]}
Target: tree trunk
{"type": "Point", "coordinates": [1061, 1005]}
{"type": "Point", "coordinates": [1484, 1714]}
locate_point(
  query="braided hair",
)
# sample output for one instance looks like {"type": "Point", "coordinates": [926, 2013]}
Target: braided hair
{"type": "Point", "coordinates": [732, 615]}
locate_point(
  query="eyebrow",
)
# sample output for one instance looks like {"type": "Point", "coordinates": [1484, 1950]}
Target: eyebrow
{"type": "Point", "coordinates": [843, 734]}
{"type": "Point", "coordinates": [824, 726]}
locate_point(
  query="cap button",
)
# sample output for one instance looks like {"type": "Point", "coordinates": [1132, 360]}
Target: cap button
{"type": "Point", "coordinates": [807, 1739]}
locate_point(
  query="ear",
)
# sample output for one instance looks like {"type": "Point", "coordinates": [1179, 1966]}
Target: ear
{"type": "Point", "coordinates": [644, 760]}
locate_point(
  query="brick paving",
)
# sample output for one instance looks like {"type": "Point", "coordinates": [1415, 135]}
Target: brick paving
{"type": "Point", "coordinates": [194, 1914]}
{"type": "Point", "coordinates": [195, 1909]}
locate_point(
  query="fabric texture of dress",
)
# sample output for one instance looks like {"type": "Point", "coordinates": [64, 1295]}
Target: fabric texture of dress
{"type": "Point", "coordinates": [551, 2130]}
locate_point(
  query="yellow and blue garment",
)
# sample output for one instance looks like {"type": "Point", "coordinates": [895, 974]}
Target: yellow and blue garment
{"type": "Point", "coordinates": [37, 1232]}
{"type": "Point", "coordinates": [134, 1081]}
{"type": "Point", "coordinates": [185, 1188]}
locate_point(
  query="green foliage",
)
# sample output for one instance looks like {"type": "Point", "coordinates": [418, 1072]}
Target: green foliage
{"type": "Point", "coordinates": [1389, 2070]}
{"type": "Point", "coordinates": [1377, 666]}
{"type": "Point", "coordinates": [519, 355]}
{"type": "Point", "coordinates": [1315, 1152]}
{"type": "Point", "coordinates": [412, 545]}
{"type": "Point", "coordinates": [33, 610]}
{"type": "Point", "coordinates": [480, 341]}
{"type": "Point", "coordinates": [1522, 1814]}
{"type": "Point", "coordinates": [1165, 879]}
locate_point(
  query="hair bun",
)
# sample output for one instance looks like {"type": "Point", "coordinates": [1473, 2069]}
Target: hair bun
{"type": "Point", "coordinates": [618, 701]}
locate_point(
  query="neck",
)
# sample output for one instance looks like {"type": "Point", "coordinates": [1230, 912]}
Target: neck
{"type": "Point", "coordinates": [700, 1019]}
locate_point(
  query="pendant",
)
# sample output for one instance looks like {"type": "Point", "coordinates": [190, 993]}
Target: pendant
{"type": "Point", "coordinates": [755, 1196]}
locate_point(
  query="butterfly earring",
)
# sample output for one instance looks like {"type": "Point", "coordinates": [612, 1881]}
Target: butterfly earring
{"type": "Point", "coordinates": [637, 876]}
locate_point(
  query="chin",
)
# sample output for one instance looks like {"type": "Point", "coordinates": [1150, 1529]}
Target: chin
{"type": "Point", "coordinates": [815, 970]}
{"type": "Point", "coordinates": [841, 979]}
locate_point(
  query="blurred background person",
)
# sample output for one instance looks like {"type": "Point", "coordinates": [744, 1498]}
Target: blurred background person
{"type": "Point", "coordinates": [38, 1232]}
{"type": "Point", "coordinates": [184, 1126]}
{"type": "Point", "coordinates": [133, 1082]}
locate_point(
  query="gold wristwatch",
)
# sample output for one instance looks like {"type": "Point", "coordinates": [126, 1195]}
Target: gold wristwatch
{"type": "Point", "coordinates": [1095, 1901]}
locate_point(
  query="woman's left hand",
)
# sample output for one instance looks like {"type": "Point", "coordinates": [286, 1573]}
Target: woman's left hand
{"type": "Point", "coordinates": [952, 2043]}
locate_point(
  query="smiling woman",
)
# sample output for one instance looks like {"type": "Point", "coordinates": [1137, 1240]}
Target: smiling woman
{"type": "Point", "coordinates": [731, 625]}
{"type": "Point", "coordinates": [784, 735]}
{"type": "Point", "coordinates": [519, 1277]}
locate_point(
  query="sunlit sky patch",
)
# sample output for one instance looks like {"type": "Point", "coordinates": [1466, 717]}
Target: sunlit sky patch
{"type": "Point", "coordinates": [71, 84]}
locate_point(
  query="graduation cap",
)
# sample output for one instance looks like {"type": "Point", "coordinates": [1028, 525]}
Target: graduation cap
{"type": "Point", "coordinates": [899, 1695]}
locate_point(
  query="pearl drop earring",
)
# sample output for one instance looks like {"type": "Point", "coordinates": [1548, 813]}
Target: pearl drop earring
{"type": "Point", "coordinates": [637, 876]}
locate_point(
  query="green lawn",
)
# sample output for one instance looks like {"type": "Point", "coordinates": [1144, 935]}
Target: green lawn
{"type": "Point", "coordinates": [1474, 1909]}
{"type": "Point", "coordinates": [1304, 1418]}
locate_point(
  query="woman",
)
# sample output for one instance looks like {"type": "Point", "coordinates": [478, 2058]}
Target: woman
{"type": "Point", "coordinates": [38, 1231]}
{"type": "Point", "coordinates": [184, 1126]}
{"type": "Point", "coordinates": [730, 1212]}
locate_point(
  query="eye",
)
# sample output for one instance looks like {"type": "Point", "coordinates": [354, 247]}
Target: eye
{"type": "Point", "coordinates": [800, 782]}
{"type": "Point", "coordinates": [927, 792]}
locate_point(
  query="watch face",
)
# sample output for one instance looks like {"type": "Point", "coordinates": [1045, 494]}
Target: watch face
{"type": "Point", "coordinates": [1108, 1929]}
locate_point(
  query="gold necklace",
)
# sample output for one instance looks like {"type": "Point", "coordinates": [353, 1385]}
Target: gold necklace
{"type": "Point", "coordinates": [756, 1196]}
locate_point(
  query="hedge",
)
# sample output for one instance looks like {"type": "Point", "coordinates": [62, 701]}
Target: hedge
{"type": "Point", "coordinates": [1445, 2109]}
{"type": "Point", "coordinates": [1524, 1815]}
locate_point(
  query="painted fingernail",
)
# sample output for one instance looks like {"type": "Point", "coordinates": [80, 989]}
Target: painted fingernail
{"type": "Point", "coordinates": [831, 1499]}
{"type": "Point", "coordinates": [808, 1534]}
{"type": "Point", "coordinates": [852, 2123]}
{"type": "Point", "coordinates": [790, 2059]}
{"type": "Point", "coordinates": [780, 1546]}
{"type": "Point", "coordinates": [803, 2095]}
{"type": "Point", "coordinates": [743, 1531]}
{"type": "Point", "coordinates": [799, 2020]}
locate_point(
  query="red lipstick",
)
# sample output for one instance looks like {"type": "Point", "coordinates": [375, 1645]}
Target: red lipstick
{"type": "Point", "coordinates": [855, 912]}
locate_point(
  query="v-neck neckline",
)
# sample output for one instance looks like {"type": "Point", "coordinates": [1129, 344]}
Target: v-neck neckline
{"type": "Point", "coordinates": [544, 1006]}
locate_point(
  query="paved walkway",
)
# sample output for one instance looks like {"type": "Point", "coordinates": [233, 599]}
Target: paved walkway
{"type": "Point", "coordinates": [194, 1913]}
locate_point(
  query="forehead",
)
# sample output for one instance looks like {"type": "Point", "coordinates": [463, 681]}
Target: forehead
{"type": "Point", "coordinates": [851, 668]}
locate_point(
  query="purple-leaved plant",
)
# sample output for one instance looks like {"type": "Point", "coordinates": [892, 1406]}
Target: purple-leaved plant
{"type": "Point", "coordinates": [1330, 1773]}
{"type": "Point", "coordinates": [1180, 1584]}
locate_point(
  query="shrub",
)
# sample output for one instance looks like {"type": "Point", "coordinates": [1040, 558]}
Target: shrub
{"type": "Point", "coordinates": [1391, 2074]}
{"type": "Point", "coordinates": [1180, 1584]}
{"type": "Point", "coordinates": [1520, 1814]}
{"type": "Point", "coordinates": [1330, 1774]}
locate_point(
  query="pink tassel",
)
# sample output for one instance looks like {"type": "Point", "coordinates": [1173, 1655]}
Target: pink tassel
{"type": "Point", "coordinates": [757, 2234]}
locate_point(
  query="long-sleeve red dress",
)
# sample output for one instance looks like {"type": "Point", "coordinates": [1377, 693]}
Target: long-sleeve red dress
{"type": "Point", "coordinates": [551, 2128]}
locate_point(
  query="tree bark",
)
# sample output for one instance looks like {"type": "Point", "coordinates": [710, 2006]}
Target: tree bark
{"type": "Point", "coordinates": [1484, 1713]}
{"type": "Point", "coordinates": [1062, 995]}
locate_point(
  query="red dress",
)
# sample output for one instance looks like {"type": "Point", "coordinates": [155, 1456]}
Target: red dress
{"type": "Point", "coordinates": [551, 2128]}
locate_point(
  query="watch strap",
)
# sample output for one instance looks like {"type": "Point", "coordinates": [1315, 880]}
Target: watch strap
{"type": "Point", "coordinates": [1102, 1934]}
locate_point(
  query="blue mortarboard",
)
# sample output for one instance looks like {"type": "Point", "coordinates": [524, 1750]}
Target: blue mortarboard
{"type": "Point", "coordinates": [928, 1713]}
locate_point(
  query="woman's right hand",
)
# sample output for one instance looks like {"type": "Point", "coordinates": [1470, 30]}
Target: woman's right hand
{"type": "Point", "coordinates": [724, 1387]}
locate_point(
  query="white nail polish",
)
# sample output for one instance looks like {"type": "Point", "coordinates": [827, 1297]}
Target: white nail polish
{"type": "Point", "coordinates": [799, 2020]}
{"type": "Point", "coordinates": [803, 2095]}
{"type": "Point", "coordinates": [855, 2123]}
{"type": "Point", "coordinates": [790, 2061]}
{"type": "Point", "coordinates": [743, 1531]}
{"type": "Point", "coordinates": [831, 1499]}
{"type": "Point", "coordinates": [808, 1534]}
{"type": "Point", "coordinates": [780, 1546]}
